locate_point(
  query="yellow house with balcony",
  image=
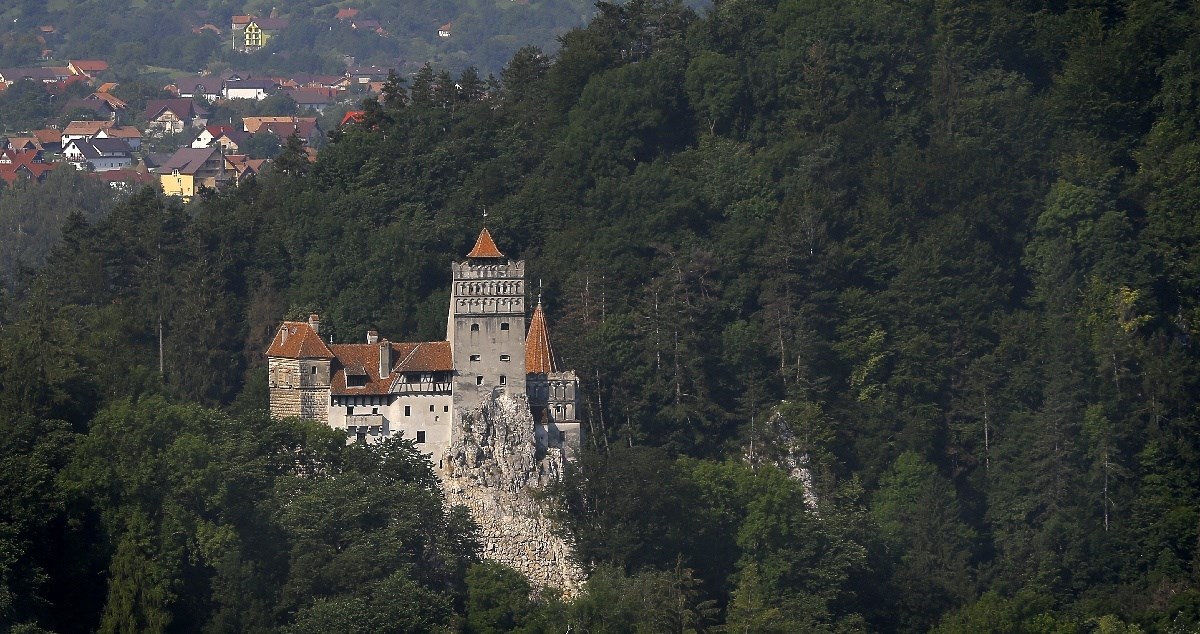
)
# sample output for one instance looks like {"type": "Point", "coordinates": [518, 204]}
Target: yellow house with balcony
{"type": "Point", "coordinates": [192, 169]}
{"type": "Point", "coordinates": [251, 33]}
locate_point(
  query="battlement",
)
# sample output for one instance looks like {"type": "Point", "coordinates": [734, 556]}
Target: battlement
{"type": "Point", "coordinates": [470, 270]}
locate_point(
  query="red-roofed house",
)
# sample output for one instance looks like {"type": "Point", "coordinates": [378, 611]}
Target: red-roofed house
{"type": "Point", "coordinates": [16, 165]}
{"type": "Point", "coordinates": [422, 390]}
{"type": "Point", "coordinates": [90, 68]}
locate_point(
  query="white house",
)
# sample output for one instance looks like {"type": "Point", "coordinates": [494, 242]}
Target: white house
{"type": "Point", "coordinates": [99, 155]}
{"type": "Point", "coordinates": [256, 89]}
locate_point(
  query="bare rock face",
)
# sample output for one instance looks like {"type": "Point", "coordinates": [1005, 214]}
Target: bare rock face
{"type": "Point", "coordinates": [493, 468]}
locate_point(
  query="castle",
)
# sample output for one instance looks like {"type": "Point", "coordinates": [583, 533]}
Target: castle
{"type": "Point", "coordinates": [377, 389]}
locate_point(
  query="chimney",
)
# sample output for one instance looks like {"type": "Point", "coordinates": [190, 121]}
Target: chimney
{"type": "Point", "coordinates": [314, 322]}
{"type": "Point", "coordinates": [372, 336]}
{"type": "Point", "coordinates": [283, 333]}
{"type": "Point", "coordinates": [385, 358]}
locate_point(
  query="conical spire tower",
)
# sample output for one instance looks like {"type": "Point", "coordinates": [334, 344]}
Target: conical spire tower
{"type": "Point", "coordinates": [539, 356]}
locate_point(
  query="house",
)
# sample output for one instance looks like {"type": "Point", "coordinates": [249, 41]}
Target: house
{"type": "Point", "coordinates": [50, 140]}
{"type": "Point", "coordinates": [210, 88]}
{"type": "Point", "coordinates": [82, 130]}
{"type": "Point", "coordinates": [126, 133]}
{"type": "Point", "coordinates": [24, 143]}
{"type": "Point", "coordinates": [368, 25]}
{"type": "Point", "coordinates": [424, 390]}
{"type": "Point", "coordinates": [245, 166]}
{"type": "Point", "coordinates": [346, 13]}
{"type": "Point", "coordinates": [17, 165]}
{"type": "Point", "coordinates": [89, 68]}
{"type": "Point", "coordinates": [171, 116]}
{"type": "Point", "coordinates": [99, 107]}
{"type": "Point", "coordinates": [124, 180]}
{"type": "Point", "coordinates": [306, 128]}
{"type": "Point", "coordinates": [233, 141]}
{"type": "Point", "coordinates": [353, 116]}
{"type": "Point", "coordinates": [189, 170]}
{"type": "Point", "coordinates": [209, 135]}
{"type": "Point", "coordinates": [99, 155]}
{"type": "Point", "coordinates": [256, 89]}
{"type": "Point", "coordinates": [251, 33]}
{"type": "Point", "coordinates": [309, 132]}
{"type": "Point", "coordinates": [444, 30]}
{"type": "Point", "coordinates": [229, 139]}
{"type": "Point", "coordinates": [336, 83]}
{"type": "Point", "coordinates": [362, 75]}
{"type": "Point", "coordinates": [44, 74]}
{"type": "Point", "coordinates": [314, 99]}
{"type": "Point", "coordinates": [115, 104]}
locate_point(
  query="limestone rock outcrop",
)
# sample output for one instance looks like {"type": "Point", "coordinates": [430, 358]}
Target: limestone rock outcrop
{"type": "Point", "coordinates": [493, 468]}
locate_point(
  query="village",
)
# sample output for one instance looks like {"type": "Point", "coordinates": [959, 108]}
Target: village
{"type": "Point", "coordinates": [190, 139]}
{"type": "Point", "coordinates": [115, 145]}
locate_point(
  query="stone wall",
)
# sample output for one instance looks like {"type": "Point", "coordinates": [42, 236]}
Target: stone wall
{"type": "Point", "coordinates": [493, 469]}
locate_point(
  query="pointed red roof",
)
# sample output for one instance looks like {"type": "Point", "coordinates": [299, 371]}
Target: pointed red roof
{"type": "Point", "coordinates": [298, 340]}
{"type": "Point", "coordinates": [485, 247]}
{"type": "Point", "coordinates": [539, 357]}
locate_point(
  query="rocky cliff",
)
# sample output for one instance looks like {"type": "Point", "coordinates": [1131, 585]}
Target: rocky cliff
{"type": "Point", "coordinates": [493, 468]}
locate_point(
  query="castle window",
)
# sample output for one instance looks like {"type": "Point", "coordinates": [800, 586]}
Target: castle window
{"type": "Point", "coordinates": [374, 410]}
{"type": "Point", "coordinates": [431, 408]}
{"type": "Point", "coordinates": [361, 437]}
{"type": "Point", "coordinates": [408, 410]}
{"type": "Point", "coordinates": [504, 357]}
{"type": "Point", "coordinates": [349, 410]}
{"type": "Point", "coordinates": [503, 380]}
{"type": "Point", "coordinates": [420, 436]}
{"type": "Point", "coordinates": [504, 325]}
{"type": "Point", "coordinates": [314, 369]}
{"type": "Point", "coordinates": [474, 327]}
{"type": "Point", "coordinates": [479, 380]}
{"type": "Point", "coordinates": [475, 357]}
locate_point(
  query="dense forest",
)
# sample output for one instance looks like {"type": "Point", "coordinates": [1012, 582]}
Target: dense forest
{"type": "Point", "coordinates": [132, 35]}
{"type": "Point", "coordinates": [885, 313]}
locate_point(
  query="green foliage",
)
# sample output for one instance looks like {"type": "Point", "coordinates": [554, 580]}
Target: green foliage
{"type": "Point", "coordinates": [884, 315]}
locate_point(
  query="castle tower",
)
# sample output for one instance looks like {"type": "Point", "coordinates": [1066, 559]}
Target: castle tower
{"type": "Point", "coordinates": [486, 325]}
{"type": "Point", "coordinates": [553, 394]}
{"type": "Point", "coordinates": [298, 366]}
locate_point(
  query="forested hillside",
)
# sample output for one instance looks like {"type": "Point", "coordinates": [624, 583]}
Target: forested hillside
{"type": "Point", "coordinates": [940, 257]}
{"type": "Point", "coordinates": [190, 35]}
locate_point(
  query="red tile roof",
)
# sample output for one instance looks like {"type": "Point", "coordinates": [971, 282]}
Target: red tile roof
{"type": "Point", "coordinates": [539, 357]}
{"type": "Point", "coordinates": [362, 359]}
{"type": "Point", "coordinates": [12, 172]}
{"type": "Point", "coordinates": [298, 340]}
{"type": "Point", "coordinates": [485, 247]}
